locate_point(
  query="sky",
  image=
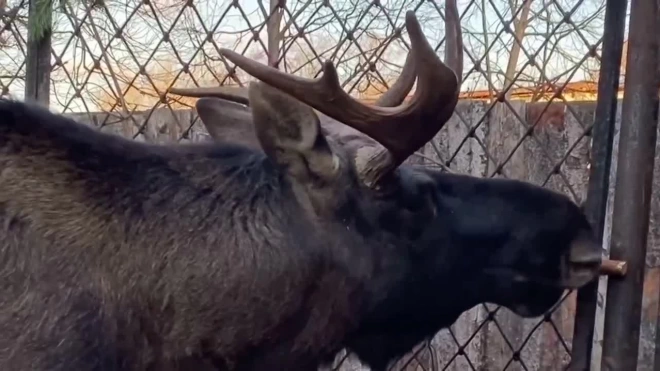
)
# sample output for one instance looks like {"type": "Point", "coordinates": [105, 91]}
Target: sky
{"type": "Point", "coordinates": [144, 38]}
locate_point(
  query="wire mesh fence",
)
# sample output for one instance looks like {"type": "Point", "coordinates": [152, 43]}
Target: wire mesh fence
{"type": "Point", "coordinates": [526, 111]}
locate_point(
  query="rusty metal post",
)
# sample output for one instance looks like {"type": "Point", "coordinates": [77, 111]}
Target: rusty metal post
{"type": "Point", "coordinates": [599, 176]}
{"type": "Point", "coordinates": [634, 181]}
{"type": "Point", "coordinates": [656, 360]}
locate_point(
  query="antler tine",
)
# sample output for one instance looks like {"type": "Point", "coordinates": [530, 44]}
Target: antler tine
{"type": "Point", "coordinates": [238, 94]}
{"type": "Point", "coordinates": [392, 97]}
{"type": "Point", "coordinates": [402, 130]}
{"type": "Point", "coordinates": [230, 93]}
{"type": "Point", "coordinates": [400, 89]}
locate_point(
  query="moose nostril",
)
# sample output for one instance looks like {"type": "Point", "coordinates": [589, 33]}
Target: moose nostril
{"type": "Point", "coordinates": [584, 261]}
{"type": "Point", "coordinates": [593, 257]}
{"type": "Point", "coordinates": [586, 252]}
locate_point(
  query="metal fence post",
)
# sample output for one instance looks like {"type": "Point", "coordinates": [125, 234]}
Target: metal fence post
{"type": "Point", "coordinates": [599, 176]}
{"type": "Point", "coordinates": [37, 64]}
{"type": "Point", "coordinates": [656, 360]}
{"type": "Point", "coordinates": [630, 219]}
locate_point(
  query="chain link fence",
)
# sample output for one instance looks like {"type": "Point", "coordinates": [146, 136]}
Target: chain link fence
{"type": "Point", "coordinates": [526, 112]}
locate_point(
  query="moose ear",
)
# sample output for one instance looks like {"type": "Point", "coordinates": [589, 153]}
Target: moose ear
{"type": "Point", "coordinates": [227, 121]}
{"type": "Point", "coordinates": [290, 134]}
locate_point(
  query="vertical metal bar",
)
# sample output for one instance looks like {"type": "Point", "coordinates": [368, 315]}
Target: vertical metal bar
{"type": "Point", "coordinates": [599, 176]}
{"type": "Point", "coordinates": [634, 181]}
{"type": "Point", "coordinates": [656, 360]}
{"type": "Point", "coordinates": [37, 69]}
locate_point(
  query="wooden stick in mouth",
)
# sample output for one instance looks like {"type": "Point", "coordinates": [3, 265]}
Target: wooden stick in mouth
{"type": "Point", "coordinates": [613, 268]}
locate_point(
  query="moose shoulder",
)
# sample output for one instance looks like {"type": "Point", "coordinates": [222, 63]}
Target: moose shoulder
{"type": "Point", "coordinates": [127, 256]}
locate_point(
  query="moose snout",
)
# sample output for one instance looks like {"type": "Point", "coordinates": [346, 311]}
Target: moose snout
{"type": "Point", "coordinates": [583, 262]}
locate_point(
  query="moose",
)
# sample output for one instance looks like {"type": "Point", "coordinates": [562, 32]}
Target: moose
{"type": "Point", "coordinates": [271, 247]}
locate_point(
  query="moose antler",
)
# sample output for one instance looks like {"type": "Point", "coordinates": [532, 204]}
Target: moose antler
{"type": "Point", "coordinates": [424, 116]}
{"type": "Point", "coordinates": [401, 130]}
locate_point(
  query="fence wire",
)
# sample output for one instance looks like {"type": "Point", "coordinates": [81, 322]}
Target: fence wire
{"type": "Point", "coordinates": [526, 107]}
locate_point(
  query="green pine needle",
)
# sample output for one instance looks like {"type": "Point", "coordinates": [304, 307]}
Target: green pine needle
{"type": "Point", "coordinates": [43, 15]}
{"type": "Point", "coordinates": [42, 21]}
